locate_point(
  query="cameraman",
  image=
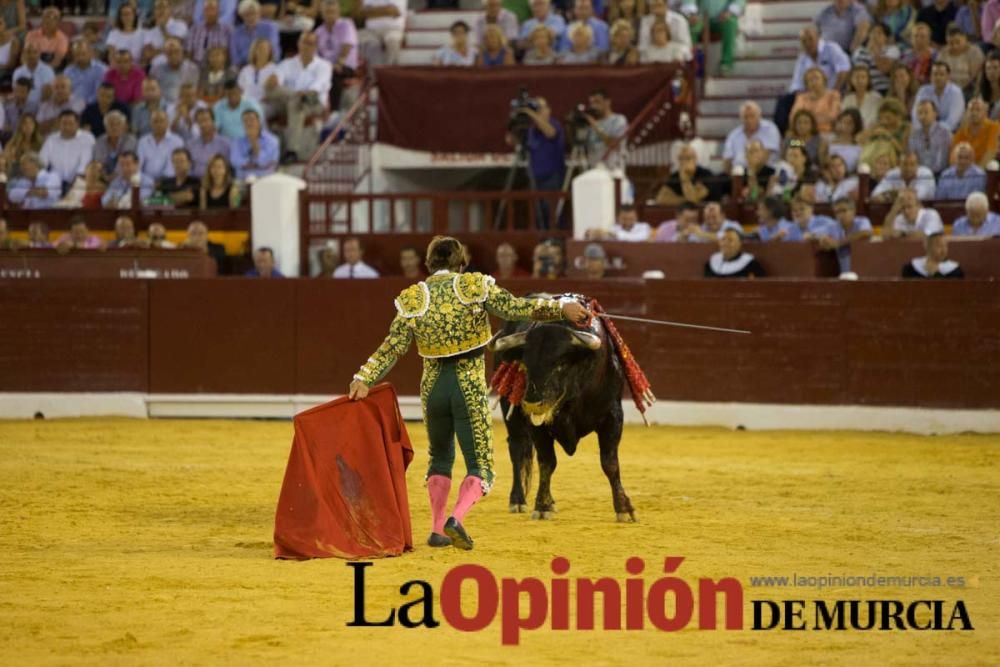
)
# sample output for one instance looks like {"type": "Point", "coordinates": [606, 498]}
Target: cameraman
{"type": "Point", "coordinates": [607, 132]}
{"type": "Point", "coordinates": [545, 142]}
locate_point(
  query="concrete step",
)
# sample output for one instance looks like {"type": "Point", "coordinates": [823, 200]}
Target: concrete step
{"type": "Point", "coordinates": [411, 56]}
{"type": "Point", "coordinates": [749, 88]}
{"type": "Point", "coordinates": [439, 20]}
{"type": "Point", "coordinates": [807, 10]}
{"type": "Point", "coordinates": [788, 28]}
{"type": "Point", "coordinates": [771, 47]}
{"type": "Point", "coordinates": [730, 106]}
{"type": "Point", "coordinates": [427, 38]}
{"type": "Point", "coordinates": [716, 126]}
{"type": "Point", "coordinates": [764, 67]}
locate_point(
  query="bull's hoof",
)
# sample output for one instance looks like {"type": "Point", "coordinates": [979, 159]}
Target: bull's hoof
{"type": "Point", "coordinates": [543, 515]}
{"type": "Point", "coordinates": [626, 517]}
{"type": "Point", "coordinates": [518, 509]}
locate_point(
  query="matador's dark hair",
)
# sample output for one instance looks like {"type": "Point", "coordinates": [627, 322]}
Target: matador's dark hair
{"type": "Point", "coordinates": [445, 252]}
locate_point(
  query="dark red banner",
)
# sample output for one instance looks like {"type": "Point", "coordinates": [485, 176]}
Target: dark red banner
{"type": "Point", "coordinates": [465, 110]}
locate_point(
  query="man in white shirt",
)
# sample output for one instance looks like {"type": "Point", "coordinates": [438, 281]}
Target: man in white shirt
{"type": "Point", "coordinates": [68, 151]}
{"type": "Point", "coordinates": [909, 174]}
{"type": "Point", "coordinates": [680, 29]}
{"type": "Point", "coordinates": [751, 128]}
{"type": "Point", "coordinates": [300, 91]}
{"type": "Point", "coordinates": [156, 148]}
{"type": "Point", "coordinates": [353, 266]}
{"type": "Point", "coordinates": [628, 228]}
{"type": "Point", "coordinates": [385, 21]}
{"type": "Point", "coordinates": [908, 219]}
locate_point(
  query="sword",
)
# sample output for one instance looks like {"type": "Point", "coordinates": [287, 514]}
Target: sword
{"type": "Point", "coordinates": [672, 324]}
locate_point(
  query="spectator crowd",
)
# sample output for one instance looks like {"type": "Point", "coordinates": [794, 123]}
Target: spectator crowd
{"type": "Point", "coordinates": [184, 102]}
{"type": "Point", "coordinates": [588, 32]}
{"type": "Point", "coordinates": [904, 94]}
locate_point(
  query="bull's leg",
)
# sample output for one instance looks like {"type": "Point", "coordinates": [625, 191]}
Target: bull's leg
{"type": "Point", "coordinates": [609, 435]}
{"type": "Point", "coordinates": [545, 446]}
{"type": "Point", "coordinates": [521, 453]}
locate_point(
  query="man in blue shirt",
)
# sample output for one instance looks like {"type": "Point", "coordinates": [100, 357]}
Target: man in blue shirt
{"type": "Point", "coordinates": [253, 28]}
{"type": "Point", "coordinates": [584, 13]}
{"type": "Point", "coordinates": [772, 225]}
{"type": "Point", "coordinates": [230, 109]}
{"type": "Point", "coordinates": [964, 178]}
{"type": "Point", "coordinates": [36, 187]}
{"type": "Point", "coordinates": [85, 73]}
{"type": "Point", "coordinates": [546, 146]}
{"type": "Point", "coordinates": [812, 226]}
{"type": "Point", "coordinates": [979, 220]}
{"type": "Point", "coordinates": [826, 55]}
{"type": "Point", "coordinates": [946, 96]}
{"type": "Point", "coordinates": [40, 74]}
{"type": "Point", "coordinates": [119, 192]}
{"type": "Point", "coordinates": [816, 52]}
{"type": "Point", "coordinates": [263, 265]}
{"type": "Point", "coordinates": [930, 139]}
{"type": "Point", "coordinates": [257, 152]}
{"type": "Point", "coordinates": [542, 14]}
{"type": "Point", "coordinates": [850, 228]}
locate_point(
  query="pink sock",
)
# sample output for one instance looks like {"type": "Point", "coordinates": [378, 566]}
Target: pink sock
{"type": "Point", "coordinates": [470, 491]}
{"type": "Point", "coordinates": [438, 487]}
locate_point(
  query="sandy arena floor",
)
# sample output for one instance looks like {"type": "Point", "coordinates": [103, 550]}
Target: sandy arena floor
{"type": "Point", "coordinates": [149, 542]}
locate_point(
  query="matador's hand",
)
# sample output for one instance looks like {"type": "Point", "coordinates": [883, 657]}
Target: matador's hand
{"type": "Point", "coordinates": [574, 312]}
{"type": "Point", "coordinates": [358, 390]}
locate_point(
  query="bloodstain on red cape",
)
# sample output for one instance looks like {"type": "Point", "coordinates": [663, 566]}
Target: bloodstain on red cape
{"type": "Point", "coordinates": [344, 492]}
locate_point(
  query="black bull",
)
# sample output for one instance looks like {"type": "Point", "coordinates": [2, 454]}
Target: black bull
{"type": "Point", "coordinates": [574, 388]}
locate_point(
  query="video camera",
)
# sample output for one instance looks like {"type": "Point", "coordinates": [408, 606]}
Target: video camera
{"type": "Point", "coordinates": [579, 127]}
{"type": "Point", "coordinates": [518, 122]}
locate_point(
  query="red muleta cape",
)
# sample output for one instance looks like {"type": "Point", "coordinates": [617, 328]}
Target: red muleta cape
{"type": "Point", "coordinates": [344, 492]}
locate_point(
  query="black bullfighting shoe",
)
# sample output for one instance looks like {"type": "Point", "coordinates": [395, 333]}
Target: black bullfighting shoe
{"type": "Point", "coordinates": [438, 540]}
{"type": "Point", "coordinates": [456, 532]}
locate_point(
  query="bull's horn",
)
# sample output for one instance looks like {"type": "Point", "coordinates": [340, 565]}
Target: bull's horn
{"type": "Point", "coordinates": [586, 339]}
{"type": "Point", "coordinates": [509, 341]}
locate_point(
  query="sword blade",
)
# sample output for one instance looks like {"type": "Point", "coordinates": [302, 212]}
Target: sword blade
{"type": "Point", "coordinates": [672, 324]}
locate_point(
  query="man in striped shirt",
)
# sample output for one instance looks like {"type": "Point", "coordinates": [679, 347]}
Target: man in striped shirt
{"type": "Point", "coordinates": [879, 56]}
{"type": "Point", "coordinates": [208, 34]}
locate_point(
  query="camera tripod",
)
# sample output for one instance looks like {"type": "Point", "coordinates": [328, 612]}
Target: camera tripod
{"type": "Point", "coordinates": [522, 160]}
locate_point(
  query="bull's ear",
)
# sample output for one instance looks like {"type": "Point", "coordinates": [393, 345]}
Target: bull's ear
{"type": "Point", "coordinates": [510, 341]}
{"type": "Point", "coordinates": [585, 339]}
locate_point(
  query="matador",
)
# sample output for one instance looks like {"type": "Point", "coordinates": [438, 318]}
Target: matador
{"type": "Point", "coordinates": [448, 317]}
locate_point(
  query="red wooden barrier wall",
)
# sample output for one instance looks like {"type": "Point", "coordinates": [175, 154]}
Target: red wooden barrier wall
{"type": "Point", "coordinates": [923, 343]}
